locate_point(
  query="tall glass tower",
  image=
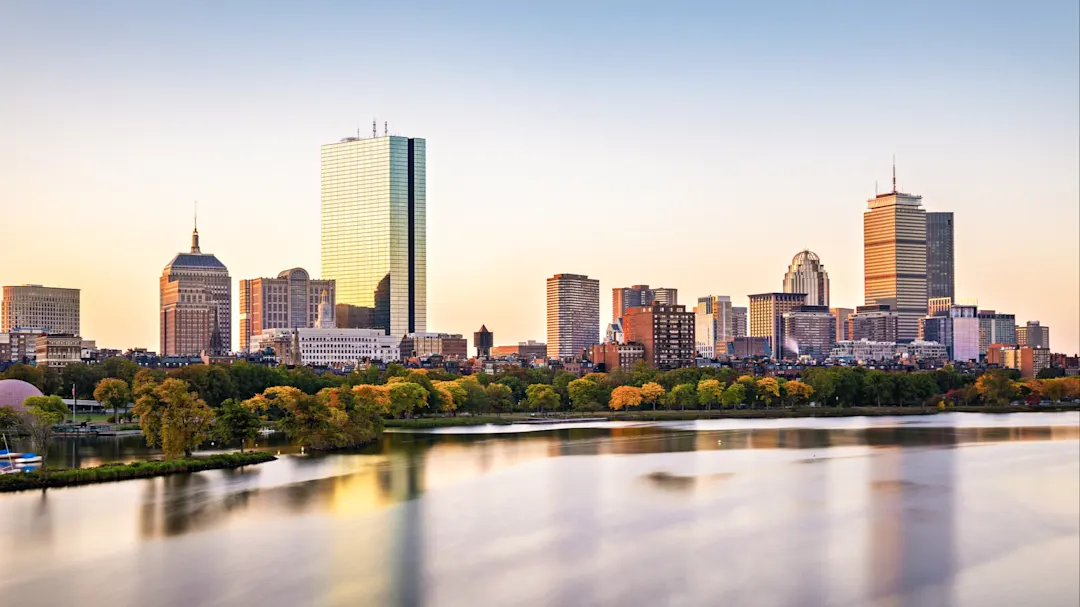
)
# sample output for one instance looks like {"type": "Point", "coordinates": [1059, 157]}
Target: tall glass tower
{"type": "Point", "coordinates": [374, 242]}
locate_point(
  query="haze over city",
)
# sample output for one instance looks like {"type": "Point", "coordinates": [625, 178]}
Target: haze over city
{"type": "Point", "coordinates": [698, 147]}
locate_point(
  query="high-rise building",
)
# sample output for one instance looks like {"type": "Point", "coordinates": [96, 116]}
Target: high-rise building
{"type": "Point", "coordinates": [483, 340]}
{"type": "Point", "coordinates": [767, 317]}
{"type": "Point", "coordinates": [374, 218]}
{"type": "Point", "coordinates": [290, 301]}
{"type": "Point", "coordinates": [196, 304]}
{"type": "Point", "coordinates": [939, 255]}
{"type": "Point", "coordinates": [573, 314]}
{"type": "Point", "coordinates": [894, 257]}
{"type": "Point", "coordinates": [50, 309]}
{"type": "Point", "coordinates": [640, 295]}
{"type": "Point", "coordinates": [1033, 334]}
{"type": "Point", "coordinates": [739, 322]}
{"type": "Point", "coordinates": [809, 331]}
{"type": "Point", "coordinates": [807, 274]}
{"type": "Point", "coordinates": [666, 331]}
{"type": "Point", "coordinates": [996, 328]}
{"type": "Point", "coordinates": [704, 334]}
{"type": "Point", "coordinates": [878, 323]}
{"type": "Point", "coordinates": [714, 323]}
{"type": "Point", "coordinates": [1025, 359]}
{"type": "Point", "coordinates": [843, 322]}
{"type": "Point", "coordinates": [957, 328]}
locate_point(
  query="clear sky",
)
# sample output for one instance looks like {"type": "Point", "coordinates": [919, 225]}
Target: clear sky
{"type": "Point", "coordinates": [689, 146]}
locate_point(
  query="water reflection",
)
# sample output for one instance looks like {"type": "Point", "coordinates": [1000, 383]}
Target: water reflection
{"type": "Point", "coordinates": [628, 514]}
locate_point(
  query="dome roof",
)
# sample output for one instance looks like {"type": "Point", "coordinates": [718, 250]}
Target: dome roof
{"type": "Point", "coordinates": [295, 274]}
{"type": "Point", "coordinates": [14, 391]}
{"type": "Point", "coordinates": [804, 256]}
{"type": "Point", "coordinates": [195, 260]}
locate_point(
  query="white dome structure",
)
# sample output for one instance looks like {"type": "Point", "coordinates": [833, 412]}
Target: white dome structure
{"type": "Point", "coordinates": [14, 391]}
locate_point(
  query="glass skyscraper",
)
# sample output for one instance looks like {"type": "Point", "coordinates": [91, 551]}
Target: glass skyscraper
{"type": "Point", "coordinates": [939, 255]}
{"type": "Point", "coordinates": [374, 243]}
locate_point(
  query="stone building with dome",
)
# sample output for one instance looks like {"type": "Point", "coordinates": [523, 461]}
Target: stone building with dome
{"type": "Point", "coordinates": [196, 304]}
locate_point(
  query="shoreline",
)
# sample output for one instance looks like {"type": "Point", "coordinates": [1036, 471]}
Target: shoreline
{"type": "Point", "coordinates": [109, 473]}
{"type": "Point", "coordinates": [690, 415]}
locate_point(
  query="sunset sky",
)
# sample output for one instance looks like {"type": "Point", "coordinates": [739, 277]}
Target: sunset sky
{"type": "Point", "coordinates": [697, 147]}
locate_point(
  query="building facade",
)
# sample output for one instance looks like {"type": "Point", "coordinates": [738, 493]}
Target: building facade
{"type": "Point", "coordinates": [639, 295]}
{"type": "Point", "coordinates": [877, 323]}
{"type": "Point", "coordinates": [740, 323]}
{"type": "Point", "coordinates": [807, 274]}
{"type": "Point", "coordinates": [894, 258]}
{"type": "Point", "coordinates": [290, 301]}
{"type": "Point", "coordinates": [573, 315]}
{"type": "Point", "coordinates": [863, 350]}
{"type": "Point", "coordinates": [483, 340]}
{"type": "Point", "coordinates": [750, 347]}
{"type": "Point", "coordinates": [957, 328]}
{"type": "Point", "coordinates": [715, 312]}
{"type": "Point", "coordinates": [939, 255]}
{"type": "Point", "coordinates": [809, 331]}
{"type": "Point", "coordinates": [666, 331]}
{"type": "Point", "coordinates": [1025, 359]}
{"type": "Point", "coordinates": [617, 356]}
{"type": "Point", "coordinates": [525, 350]}
{"type": "Point", "coordinates": [843, 322]}
{"type": "Point", "coordinates": [57, 351]}
{"type": "Point", "coordinates": [196, 304]}
{"type": "Point", "coordinates": [20, 345]}
{"type": "Point", "coordinates": [1033, 334]}
{"type": "Point", "coordinates": [767, 317]}
{"type": "Point", "coordinates": [374, 228]}
{"type": "Point", "coordinates": [995, 328]}
{"type": "Point", "coordinates": [705, 342]}
{"type": "Point", "coordinates": [329, 347]}
{"type": "Point", "coordinates": [51, 309]}
{"type": "Point", "coordinates": [449, 346]}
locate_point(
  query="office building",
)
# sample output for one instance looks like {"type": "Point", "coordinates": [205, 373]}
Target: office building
{"type": "Point", "coordinates": [332, 347]}
{"type": "Point", "coordinates": [573, 315]}
{"type": "Point", "coordinates": [809, 331]}
{"type": "Point", "coordinates": [957, 328]}
{"type": "Point", "coordinates": [57, 350]}
{"type": "Point", "coordinates": [422, 345]}
{"type": "Point", "coordinates": [750, 347]}
{"type": "Point", "coordinates": [843, 322]}
{"type": "Point", "coordinates": [740, 324]}
{"type": "Point", "coordinates": [374, 218]}
{"type": "Point", "coordinates": [923, 350]}
{"type": "Point", "coordinates": [807, 274]}
{"type": "Point", "coordinates": [483, 340]}
{"type": "Point", "coordinates": [1025, 359]}
{"type": "Point", "coordinates": [51, 309]}
{"type": "Point", "coordinates": [524, 350]}
{"type": "Point", "coordinates": [863, 351]}
{"type": "Point", "coordinates": [290, 301]}
{"type": "Point", "coordinates": [20, 345]}
{"type": "Point", "coordinates": [348, 316]}
{"type": "Point", "coordinates": [894, 258]}
{"type": "Point", "coordinates": [877, 323]}
{"type": "Point", "coordinates": [639, 295]}
{"type": "Point", "coordinates": [767, 317]}
{"type": "Point", "coordinates": [995, 328]}
{"type": "Point", "coordinates": [196, 304]}
{"type": "Point", "coordinates": [1033, 334]}
{"type": "Point", "coordinates": [939, 255]}
{"type": "Point", "coordinates": [666, 332]}
{"type": "Point", "coordinates": [704, 334]}
{"type": "Point", "coordinates": [616, 356]}
{"type": "Point", "coordinates": [935, 305]}
{"type": "Point", "coordinates": [714, 324]}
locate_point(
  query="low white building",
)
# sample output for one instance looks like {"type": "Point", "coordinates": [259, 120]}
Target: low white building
{"type": "Point", "coordinates": [863, 350]}
{"type": "Point", "coordinates": [328, 346]}
{"type": "Point", "coordinates": [924, 350]}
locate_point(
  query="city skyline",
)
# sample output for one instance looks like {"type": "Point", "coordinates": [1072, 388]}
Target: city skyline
{"type": "Point", "coordinates": [1018, 125]}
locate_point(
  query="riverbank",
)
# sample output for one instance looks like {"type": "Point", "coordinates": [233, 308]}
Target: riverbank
{"type": "Point", "coordinates": [421, 423]}
{"type": "Point", "coordinates": [66, 477]}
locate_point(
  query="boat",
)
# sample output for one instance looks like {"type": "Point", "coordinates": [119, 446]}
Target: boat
{"type": "Point", "coordinates": [28, 458]}
{"type": "Point", "coordinates": [6, 454]}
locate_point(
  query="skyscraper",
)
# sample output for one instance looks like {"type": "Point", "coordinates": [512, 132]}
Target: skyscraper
{"type": "Point", "coordinates": [894, 257]}
{"type": "Point", "coordinates": [51, 309]}
{"type": "Point", "coordinates": [196, 304]}
{"type": "Point", "coordinates": [374, 244]}
{"type": "Point", "coordinates": [573, 314]}
{"type": "Point", "coordinates": [739, 322]}
{"type": "Point", "coordinates": [290, 301]}
{"type": "Point", "coordinates": [939, 255]}
{"type": "Point", "coordinates": [639, 295]}
{"type": "Point", "coordinates": [716, 311]}
{"type": "Point", "coordinates": [843, 322]}
{"type": "Point", "coordinates": [767, 317]}
{"type": "Point", "coordinates": [807, 274]}
{"type": "Point", "coordinates": [666, 332]}
{"type": "Point", "coordinates": [995, 328]}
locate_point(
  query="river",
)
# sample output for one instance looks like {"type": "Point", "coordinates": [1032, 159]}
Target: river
{"type": "Point", "coordinates": [953, 509]}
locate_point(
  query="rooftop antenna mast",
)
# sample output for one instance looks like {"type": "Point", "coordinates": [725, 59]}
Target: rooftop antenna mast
{"type": "Point", "coordinates": [894, 173]}
{"type": "Point", "coordinates": [373, 133]}
{"type": "Point", "coordinates": [385, 129]}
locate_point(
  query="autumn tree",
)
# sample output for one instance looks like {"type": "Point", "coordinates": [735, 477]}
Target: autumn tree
{"type": "Point", "coordinates": [452, 395]}
{"type": "Point", "coordinates": [768, 390]}
{"type": "Point", "coordinates": [995, 388]}
{"type": "Point", "coordinates": [174, 418]}
{"type": "Point", "coordinates": [798, 392]}
{"type": "Point", "coordinates": [406, 398]}
{"type": "Point", "coordinates": [624, 397]}
{"type": "Point", "coordinates": [112, 394]}
{"type": "Point", "coordinates": [709, 392]}
{"type": "Point", "coordinates": [541, 396]}
{"type": "Point", "coordinates": [652, 393]}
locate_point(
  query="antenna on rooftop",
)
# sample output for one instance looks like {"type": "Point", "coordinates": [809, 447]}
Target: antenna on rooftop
{"type": "Point", "coordinates": [373, 132]}
{"type": "Point", "coordinates": [894, 173]}
{"type": "Point", "coordinates": [385, 129]}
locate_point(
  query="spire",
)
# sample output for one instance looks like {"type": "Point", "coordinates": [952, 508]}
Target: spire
{"type": "Point", "coordinates": [195, 232]}
{"type": "Point", "coordinates": [894, 173]}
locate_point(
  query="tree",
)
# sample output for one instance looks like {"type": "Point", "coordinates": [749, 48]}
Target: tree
{"type": "Point", "coordinates": [583, 393]}
{"type": "Point", "coordinates": [174, 418]}
{"type": "Point", "coordinates": [235, 422]}
{"type": "Point", "coordinates": [799, 392]}
{"type": "Point", "coordinates": [26, 373]}
{"type": "Point", "coordinates": [406, 398]}
{"type": "Point", "coordinates": [749, 385]}
{"type": "Point", "coordinates": [37, 421]}
{"type": "Point", "coordinates": [683, 395]}
{"type": "Point", "coordinates": [541, 396]}
{"type": "Point", "coordinates": [1050, 373]}
{"type": "Point", "coordinates": [734, 395]}
{"type": "Point", "coordinates": [501, 397]}
{"type": "Point", "coordinates": [624, 397]}
{"type": "Point", "coordinates": [476, 399]}
{"type": "Point", "coordinates": [9, 418]}
{"type": "Point", "coordinates": [768, 390]}
{"type": "Point", "coordinates": [49, 404]}
{"type": "Point", "coordinates": [877, 386]}
{"type": "Point", "coordinates": [83, 377]}
{"type": "Point", "coordinates": [652, 393]}
{"type": "Point", "coordinates": [451, 395]}
{"type": "Point", "coordinates": [113, 393]}
{"type": "Point", "coordinates": [995, 388]}
{"type": "Point", "coordinates": [119, 368]}
{"type": "Point", "coordinates": [709, 393]}
{"type": "Point", "coordinates": [823, 381]}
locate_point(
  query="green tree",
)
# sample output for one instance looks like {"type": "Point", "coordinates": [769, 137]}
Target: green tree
{"type": "Point", "coordinates": [235, 422]}
{"type": "Point", "coordinates": [26, 373]}
{"type": "Point", "coordinates": [683, 395]}
{"type": "Point", "coordinates": [734, 395]}
{"type": "Point", "coordinates": [51, 381]}
{"type": "Point", "coordinates": [117, 367]}
{"type": "Point", "coordinates": [823, 381]}
{"type": "Point", "coordinates": [709, 392]}
{"type": "Point", "coordinates": [501, 397]}
{"type": "Point", "coordinates": [877, 386]}
{"type": "Point", "coordinates": [583, 393]}
{"type": "Point", "coordinates": [9, 418]}
{"type": "Point", "coordinates": [541, 396]}
{"type": "Point", "coordinates": [476, 398]}
{"type": "Point", "coordinates": [406, 398]}
{"type": "Point", "coordinates": [113, 393]}
{"type": "Point", "coordinates": [37, 420]}
{"type": "Point", "coordinates": [83, 377]}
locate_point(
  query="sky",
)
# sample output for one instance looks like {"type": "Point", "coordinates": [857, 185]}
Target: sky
{"type": "Point", "coordinates": [696, 146]}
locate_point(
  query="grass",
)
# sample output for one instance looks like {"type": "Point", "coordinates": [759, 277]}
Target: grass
{"type": "Point", "coordinates": [66, 477]}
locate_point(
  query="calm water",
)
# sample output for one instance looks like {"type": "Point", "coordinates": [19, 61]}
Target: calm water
{"type": "Point", "coordinates": [946, 510]}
